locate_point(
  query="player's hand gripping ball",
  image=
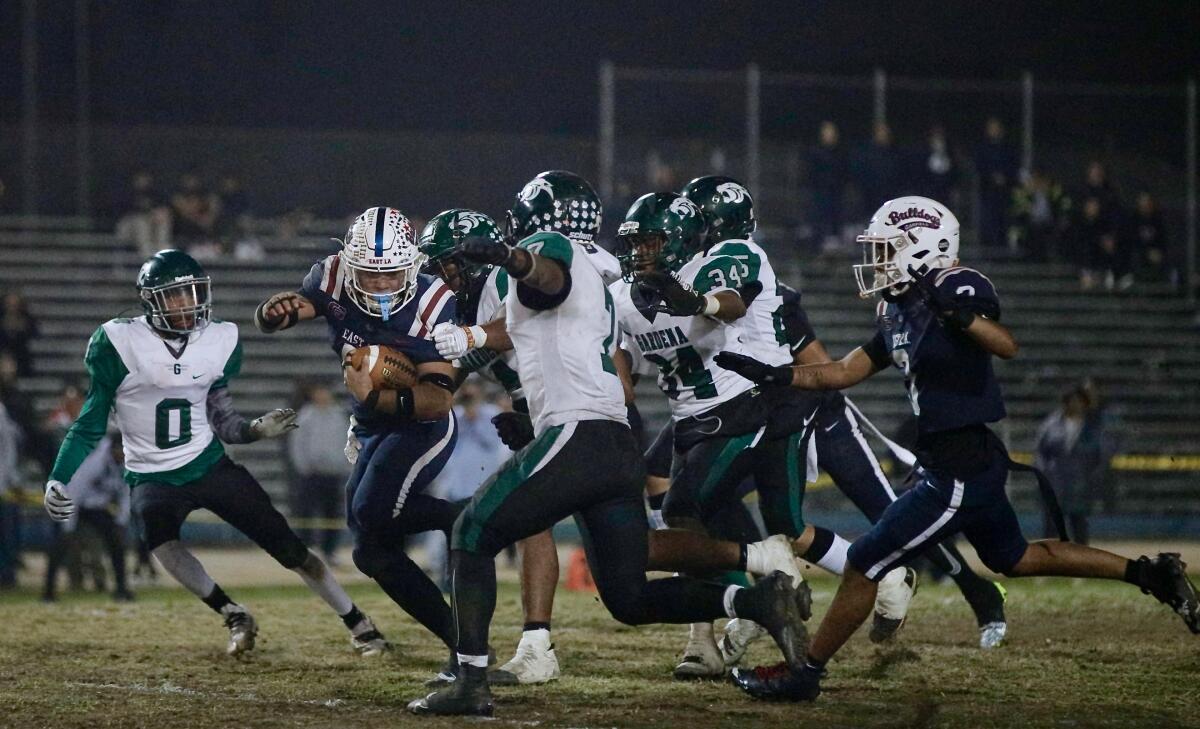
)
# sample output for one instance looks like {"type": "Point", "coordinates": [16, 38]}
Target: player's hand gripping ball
{"type": "Point", "coordinates": [387, 368]}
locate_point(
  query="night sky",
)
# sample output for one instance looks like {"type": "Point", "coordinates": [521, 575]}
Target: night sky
{"type": "Point", "coordinates": [525, 67]}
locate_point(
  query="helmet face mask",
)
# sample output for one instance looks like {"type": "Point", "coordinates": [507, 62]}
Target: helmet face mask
{"type": "Point", "coordinates": [662, 230]}
{"type": "Point", "coordinates": [908, 232]}
{"type": "Point", "coordinates": [382, 262]}
{"type": "Point", "coordinates": [175, 292]}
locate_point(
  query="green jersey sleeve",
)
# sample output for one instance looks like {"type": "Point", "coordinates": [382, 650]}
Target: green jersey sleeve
{"type": "Point", "coordinates": [723, 273]}
{"type": "Point", "coordinates": [106, 370]}
{"type": "Point", "coordinates": [551, 245]}
{"type": "Point", "coordinates": [233, 366]}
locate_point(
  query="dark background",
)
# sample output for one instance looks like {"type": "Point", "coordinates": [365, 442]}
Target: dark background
{"type": "Point", "coordinates": [533, 66]}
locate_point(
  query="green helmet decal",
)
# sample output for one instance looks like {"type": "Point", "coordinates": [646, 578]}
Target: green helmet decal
{"type": "Point", "coordinates": [727, 205]}
{"type": "Point", "coordinates": [662, 230]}
{"type": "Point", "coordinates": [557, 201]}
{"type": "Point", "coordinates": [439, 242]}
{"type": "Point", "coordinates": [175, 292]}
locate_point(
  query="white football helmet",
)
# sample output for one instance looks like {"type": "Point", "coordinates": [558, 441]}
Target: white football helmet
{"type": "Point", "coordinates": [906, 232]}
{"type": "Point", "coordinates": [381, 241]}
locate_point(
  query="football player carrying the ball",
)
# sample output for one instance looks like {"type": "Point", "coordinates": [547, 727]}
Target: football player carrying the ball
{"type": "Point", "coordinates": [372, 293]}
{"type": "Point", "coordinates": [166, 376]}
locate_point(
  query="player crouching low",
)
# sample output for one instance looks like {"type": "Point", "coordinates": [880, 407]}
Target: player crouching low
{"type": "Point", "coordinates": [166, 374]}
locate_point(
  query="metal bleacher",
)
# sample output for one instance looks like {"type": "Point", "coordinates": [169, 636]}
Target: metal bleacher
{"type": "Point", "coordinates": [1140, 346]}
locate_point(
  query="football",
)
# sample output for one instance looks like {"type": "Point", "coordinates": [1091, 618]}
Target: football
{"type": "Point", "coordinates": [390, 370]}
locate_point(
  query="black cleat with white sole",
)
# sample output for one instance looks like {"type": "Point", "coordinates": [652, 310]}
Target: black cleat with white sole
{"type": "Point", "coordinates": [777, 606]}
{"type": "Point", "coordinates": [468, 695]}
{"type": "Point", "coordinates": [1170, 584]}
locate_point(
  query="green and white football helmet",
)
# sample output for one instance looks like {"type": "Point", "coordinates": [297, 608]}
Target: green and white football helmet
{"type": "Point", "coordinates": [557, 201]}
{"type": "Point", "coordinates": [662, 230]}
{"type": "Point", "coordinates": [176, 293]}
{"type": "Point", "coordinates": [727, 205]}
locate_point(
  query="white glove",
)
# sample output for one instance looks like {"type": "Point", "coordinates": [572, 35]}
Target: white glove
{"type": "Point", "coordinates": [273, 424]}
{"type": "Point", "coordinates": [454, 341]}
{"type": "Point", "coordinates": [353, 445]}
{"type": "Point", "coordinates": [58, 504]}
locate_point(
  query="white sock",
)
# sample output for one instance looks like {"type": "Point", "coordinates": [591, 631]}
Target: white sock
{"type": "Point", "coordinates": [835, 559]}
{"type": "Point", "coordinates": [477, 661]}
{"type": "Point", "coordinates": [728, 600]}
{"type": "Point", "coordinates": [539, 636]}
{"type": "Point", "coordinates": [320, 580]}
{"type": "Point", "coordinates": [656, 519]}
{"type": "Point", "coordinates": [184, 567]}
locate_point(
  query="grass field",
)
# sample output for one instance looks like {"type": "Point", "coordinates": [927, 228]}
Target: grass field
{"type": "Point", "coordinates": [1080, 654]}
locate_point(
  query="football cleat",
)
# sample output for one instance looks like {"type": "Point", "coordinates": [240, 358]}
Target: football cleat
{"type": "Point", "coordinates": [367, 641]}
{"type": "Point", "coordinates": [1173, 588]}
{"type": "Point", "coordinates": [243, 629]}
{"type": "Point", "coordinates": [467, 696]}
{"type": "Point", "coordinates": [771, 554]}
{"type": "Point", "coordinates": [896, 591]}
{"type": "Point", "coordinates": [779, 682]}
{"type": "Point", "coordinates": [992, 635]}
{"type": "Point", "coordinates": [777, 606]}
{"type": "Point", "coordinates": [739, 634]}
{"type": "Point", "coordinates": [534, 662]}
{"type": "Point", "coordinates": [701, 657]}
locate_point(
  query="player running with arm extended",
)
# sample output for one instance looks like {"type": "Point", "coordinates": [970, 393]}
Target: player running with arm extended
{"type": "Point", "coordinates": [939, 323]}
{"type": "Point", "coordinates": [372, 293]}
{"type": "Point", "coordinates": [842, 451]}
{"type": "Point", "coordinates": [166, 375]}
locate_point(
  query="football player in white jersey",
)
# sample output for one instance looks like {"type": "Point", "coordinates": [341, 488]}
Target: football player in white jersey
{"type": "Point", "coordinates": [677, 312]}
{"type": "Point", "coordinates": [166, 375]}
{"type": "Point", "coordinates": [561, 321]}
{"type": "Point", "coordinates": [481, 292]}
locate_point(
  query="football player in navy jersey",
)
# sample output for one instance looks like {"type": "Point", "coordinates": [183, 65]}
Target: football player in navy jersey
{"type": "Point", "coordinates": [842, 451]}
{"type": "Point", "coordinates": [372, 292]}
{"type": "Point", "coordinates": [940, 324]}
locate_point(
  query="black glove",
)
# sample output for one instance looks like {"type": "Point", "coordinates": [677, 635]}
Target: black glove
{"type": "Point", "coordinates": [944, 308]}
{"type": "Point", "coordinates": [482, 249]}
{"type": "Point", "coordinates": [676, 300]}
{"type": "Point", "coordinates": [515, 429]}
{"type": "Point", "coordinates": [753, 370]}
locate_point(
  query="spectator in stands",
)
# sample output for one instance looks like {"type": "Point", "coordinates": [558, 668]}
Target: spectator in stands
{"type": "Point", "coordinates": [1147, 239]}
{"type": "Point", "coordinates": [10, 449]}
{"type": "Point", "coordinates": [66, 412]}
{"type": "Point", "coordinates": [939, 171]}
{"type": "Point", "coordinates": [1091, 235]}
{"type": "Point", "coordinates": [1040, 216]}
{"type": "Point", "coordinates": [996, 164]}
{"type": "Point", "coordinates": [316, 450]}
{"type": "Point", "coordinates": [18, 328]}
{"type": "Point", "coordinates": [236, 223]}
{"type": "Point", "coordinates": [143, 217]}
{"type": "Point", "coordinates": [477, 455]}
{"type": "Point", "coordinates": [879, 167]}
{"type": "Point", "coordinates": [1071, 449]}
{"type": "Point", "coordinates": [196, 211]}
{"type": "Point", "coordinates": [1096, 184]}
{"type": "Point", "coordinates": [828, 174]}
{"type": "Point", "coordinates": [101, 499]}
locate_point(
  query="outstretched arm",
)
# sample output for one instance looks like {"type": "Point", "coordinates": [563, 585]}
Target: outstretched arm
{"type": "Point", "coordinates": [283, 311]}
{"type": "Point", "coordinates": [850, 370]}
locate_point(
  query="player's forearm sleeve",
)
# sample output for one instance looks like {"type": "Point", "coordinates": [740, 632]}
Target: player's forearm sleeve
{"type": "Point", "coordinates": [877, 350]}
{"type": "Point", "coordinates": [226, 422]}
